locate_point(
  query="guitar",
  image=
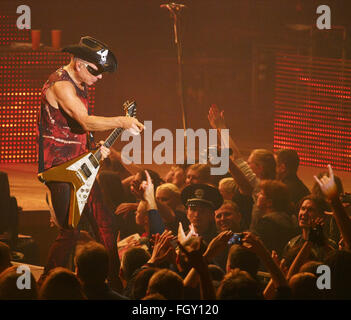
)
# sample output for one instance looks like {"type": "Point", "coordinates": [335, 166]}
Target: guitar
{"type": "Point", "coordinates": [81, 172]}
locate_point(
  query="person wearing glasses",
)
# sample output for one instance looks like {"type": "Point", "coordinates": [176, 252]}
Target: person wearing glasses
{"type": "Point", "coordinates": [65, 121]}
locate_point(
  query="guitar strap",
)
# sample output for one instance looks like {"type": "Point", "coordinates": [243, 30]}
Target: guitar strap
{"type": "Point", "coordinates": [91, 145]}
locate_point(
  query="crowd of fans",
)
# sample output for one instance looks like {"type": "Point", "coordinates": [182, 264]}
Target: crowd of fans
{"type": "Point", "coordinates": [255, 233]}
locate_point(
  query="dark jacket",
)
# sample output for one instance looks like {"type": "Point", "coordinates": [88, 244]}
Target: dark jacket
{"type": "Point", "coordinates": [297, 189]}
{"type": "Point", "coordinates": [275, 229]}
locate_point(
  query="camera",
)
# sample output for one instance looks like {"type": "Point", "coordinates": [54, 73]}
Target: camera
{"type": "Point", "coordinates": [237, 238]}
{"type": "Point", "coordinates": [316, 236]}
{"type": "Point", "coordinates": [346, 198]}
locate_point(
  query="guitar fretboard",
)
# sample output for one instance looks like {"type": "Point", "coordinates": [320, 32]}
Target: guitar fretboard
{"type": "Point", "coordinates": [115, 133]}
{"type": "Point", "coordinates": [109, 142]}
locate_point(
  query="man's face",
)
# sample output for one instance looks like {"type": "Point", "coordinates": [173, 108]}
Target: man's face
{"type": "Point", "coordinates": [85, 75]}
{"type": "Point", "coordinates": [307, 212]}
{"type": "Point", "coordinates": [192, 177]}
{"type": "Point", "coordinates": [176, 176]}
{"type": "Point", "coordinates": [200, 216]}
{"type": "Point", "coordinates": [227, 219]}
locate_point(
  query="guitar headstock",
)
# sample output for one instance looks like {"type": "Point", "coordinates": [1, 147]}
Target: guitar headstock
{"type": "Point", "coordinates": [129, 107]}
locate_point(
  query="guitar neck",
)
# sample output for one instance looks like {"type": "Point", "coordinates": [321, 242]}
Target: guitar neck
{"type": "Point", "coordinates": [109, 142]}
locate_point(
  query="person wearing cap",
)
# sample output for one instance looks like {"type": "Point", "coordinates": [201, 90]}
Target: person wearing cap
{"type": "Point", "coordinates": [201, 201]}
{"type": "Point", "coordinates": [65, 116]}
{"type": "Point", "coordinates": [64, 124]}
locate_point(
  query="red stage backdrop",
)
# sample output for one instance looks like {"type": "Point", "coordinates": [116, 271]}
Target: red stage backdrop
{"type": "Point", "coordinates": [23, 73]}
{"type": "Point", "coordinates": [313, 109]}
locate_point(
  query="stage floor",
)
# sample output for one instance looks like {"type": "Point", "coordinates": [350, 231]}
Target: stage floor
{"type": "Point", "coordinates": [30, 192]}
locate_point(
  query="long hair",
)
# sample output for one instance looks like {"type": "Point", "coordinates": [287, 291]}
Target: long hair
{"type": "Point", "coordinates": [266, 159]}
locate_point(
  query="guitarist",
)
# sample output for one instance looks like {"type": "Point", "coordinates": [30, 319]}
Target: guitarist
{"type": "Point", "coordinates": [64, 124]}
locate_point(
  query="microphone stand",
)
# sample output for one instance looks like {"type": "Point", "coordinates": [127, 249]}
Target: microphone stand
{"type": "Point", "coordinates": [175, 9]}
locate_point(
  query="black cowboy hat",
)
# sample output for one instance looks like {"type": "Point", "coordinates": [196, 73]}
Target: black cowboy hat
{"type": "Point", "coordinates": [94, 51]}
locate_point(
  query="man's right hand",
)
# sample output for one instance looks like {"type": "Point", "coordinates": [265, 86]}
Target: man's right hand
{"type": "Point", "coordinates": [131, 123]}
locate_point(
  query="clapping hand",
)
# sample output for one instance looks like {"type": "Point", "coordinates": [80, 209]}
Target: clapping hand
{"type": "Point", "coordinates": [163, 249]}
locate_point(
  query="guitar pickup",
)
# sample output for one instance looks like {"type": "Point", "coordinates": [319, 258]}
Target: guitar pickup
{"type": "Point", "coordinates": [93, 161]}
{"type": "Point", "coordinates": [86, 171]}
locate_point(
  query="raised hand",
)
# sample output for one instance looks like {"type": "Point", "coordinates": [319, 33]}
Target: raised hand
{"type": "Point", "coordinates": [163, 249]}
{"type": "Point", "coordinates": [149, 191]}
{"type": "Point", "coordinates": [194, 256]}
{"type": "Point", "coordinates": [197, 261]}
{"type": "Point", "coordinates": [327, 184]}
{"type": "Point", "coordinates": [328, 187]}
{"type": "Point", "coordinates": [124, 208]}
{"type": "Point", "coordinates": [319, 221]}
{"type": "Point", "coordinates": [218, 244]}
{"type": "Point", "coordinates": [216, 117]}
{"type": "Point", "coordinates": [252, 243]}
{"type": "Point", "coordinates": [280, 263]}
{"type": "Point", "coordinates": [136, 189]}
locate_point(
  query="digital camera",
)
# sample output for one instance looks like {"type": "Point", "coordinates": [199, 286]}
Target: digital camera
{"type": "Point", "coordinates": [346, 198]}
{"type": "Point", "coordinates": [237, 238]}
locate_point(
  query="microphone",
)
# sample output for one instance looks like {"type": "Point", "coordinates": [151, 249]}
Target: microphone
{"type": "Point", "coordinates": [173, 6]}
